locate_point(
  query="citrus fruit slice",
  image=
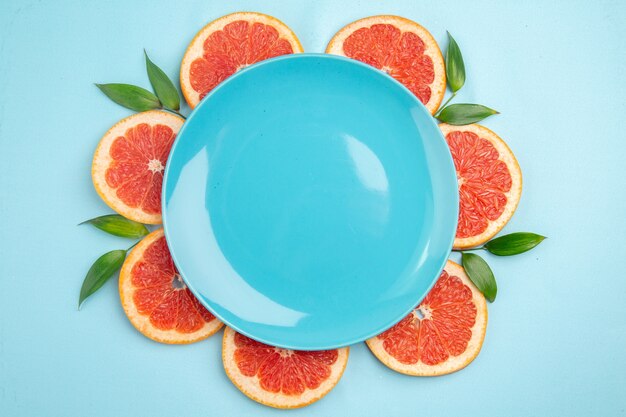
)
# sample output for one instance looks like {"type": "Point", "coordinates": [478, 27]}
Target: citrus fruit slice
{"type": "Point", "coordinates": [490, 182]}
{"type": "Point", "coordinates": [157, 301]}
{"type": "Point", "coordinates": [127, 168]}
{"type": "Point", "coordinates": [229, 44]}
{"type": "Point", "coordinates": [277, 377]}
{"type": "Point", "coordinates": [399, 47]}
{"type": "Point", "coordinates": [443, 334]}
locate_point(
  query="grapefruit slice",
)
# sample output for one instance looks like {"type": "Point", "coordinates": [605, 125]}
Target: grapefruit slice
{"type": "Point", "coordinates": [157, 301]}
{"type": "Point", "coordinates": [280, 378]}
{"type": "Point", "coordinates": [399, 47]}
{"type": "Point", "coordinates": [127, 168]}
{"type": "Point", "coordinates": [490, 182]}
{"type": "Point", "coordinates": [442, 335]}
{"type": "Point", "coordinates": [229, 44]}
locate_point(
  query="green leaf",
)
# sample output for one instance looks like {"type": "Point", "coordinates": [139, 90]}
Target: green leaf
{"type": "Point", "coordinates": [162, 85]}
{"type": "Point", "coordinates": [131, 96]}
{"type": "Point", "coordinates": [464, 114]}
{"type": "Point", "coordinates": [481, 275]}
{"type": "Point", "coordinates": [455, 68]}
{"type": "Point", "coordinates": [514, 243]}
{"type": "Point", "coordinates": [117, 225]}
{"type": "Point", "coordinates": [99, 273]}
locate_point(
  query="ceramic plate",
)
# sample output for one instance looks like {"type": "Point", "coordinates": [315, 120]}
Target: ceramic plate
{"type": "Point", "coordinates": [310, 201]}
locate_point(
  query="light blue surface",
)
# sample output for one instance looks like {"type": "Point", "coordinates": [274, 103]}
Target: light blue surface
{"type": "Point", "coordinates": [557, 332]}
{"type": "Point", "coordinates": [310, 201]}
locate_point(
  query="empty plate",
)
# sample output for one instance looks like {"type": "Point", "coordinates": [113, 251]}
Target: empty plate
{"type": "Point", "coordinates": [310, 201]}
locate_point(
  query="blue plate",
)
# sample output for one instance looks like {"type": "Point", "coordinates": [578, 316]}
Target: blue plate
{"type": "Point", "coordinates": [310, 201]}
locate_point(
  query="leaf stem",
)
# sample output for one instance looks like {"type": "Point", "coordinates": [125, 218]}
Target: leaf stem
{"type": "Point", "coordinates": [445, 104]}
{"type": "Point", "coordinates": [132, 246]}
{"type": "Point", "coordinates": [468, 250]}
{"type": "Point", "coordinates": [176, 112]}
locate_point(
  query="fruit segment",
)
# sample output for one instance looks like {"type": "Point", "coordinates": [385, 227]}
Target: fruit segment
{"type": "Point", "coordinates": [281, 378]}
{"type": "Point", "coordinates": [490, 182]}
{"type": "Point", "coordinates": [228, 45]}
{"type": "Point", "coordinates": [128, 165]}
{"type": "Point", "coordinates": [401, 48]}
{"type": "Point", "coordinates": [443, 334]}
{"type": "Point", "coordinates": [157, 301]}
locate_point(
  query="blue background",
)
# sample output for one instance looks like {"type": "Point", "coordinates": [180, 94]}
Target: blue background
{"type": "Point", "coordinates": [556, 339]}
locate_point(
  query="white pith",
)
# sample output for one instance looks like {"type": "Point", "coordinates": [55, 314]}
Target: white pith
{"type": "Point", "coordinates": [155, 166]}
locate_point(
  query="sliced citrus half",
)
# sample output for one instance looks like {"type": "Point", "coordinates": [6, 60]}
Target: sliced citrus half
{"type": "Point", "coordinates": [155, 298]}
{"type": "Point", "coordinates": [127, 168]}
{"type": "Point", "coordinates": [490, 182]}
{"type": "Point", "coordinates": [401, 48]}
{"type": "Point", "coordinates": [229, 44]}
{"type": "Point", "coordinates": [443, 334]}
{"type": "Point", "coordinates": [280, 378]}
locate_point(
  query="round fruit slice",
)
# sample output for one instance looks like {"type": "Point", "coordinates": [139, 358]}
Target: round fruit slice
{"type": "Point", "coordinates": [229, 44]}
{"type": "Point", "coordinates": [399, 47]}
{"type": "Point", "coordinates": [490, 182]}
{"type": "Point", "coordinates": [443, 334]}
{"type": "Point", "coordinates": [157, 301]}
{"type": "Point", "coordinates": [127, 168]}
{"type": "Point", "coordinates": [277, 377]}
